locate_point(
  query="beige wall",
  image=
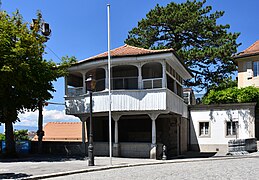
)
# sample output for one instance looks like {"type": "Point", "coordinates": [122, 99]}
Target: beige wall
{"type": "Point", "coordinates": [245, 72]}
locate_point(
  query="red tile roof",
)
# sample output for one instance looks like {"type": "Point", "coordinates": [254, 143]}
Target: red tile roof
{"type": "Point", "coordinates": [62, 131]}
{"type": "Point", "coordinates": [127, 50]}
{"type": "Point", "coordinates": [250, 51]}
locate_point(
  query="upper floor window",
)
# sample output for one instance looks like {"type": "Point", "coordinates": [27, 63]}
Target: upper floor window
{"type": "Point", "coordinates": [256, 68]}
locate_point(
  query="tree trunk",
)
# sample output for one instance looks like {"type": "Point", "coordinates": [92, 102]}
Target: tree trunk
{"type": "Point", "coordinates": [9, 139]}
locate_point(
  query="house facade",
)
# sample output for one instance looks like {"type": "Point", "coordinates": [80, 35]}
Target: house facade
{"type": "Point", "coordinates": [212, 126]}
{"type": "Point", "coordinates": [248, 66]}
{"type": "Point", "coordinates": [148, 108]}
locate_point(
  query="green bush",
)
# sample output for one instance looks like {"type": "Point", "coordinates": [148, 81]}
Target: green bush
{"type": "Point", "coordinates": [232, 95]}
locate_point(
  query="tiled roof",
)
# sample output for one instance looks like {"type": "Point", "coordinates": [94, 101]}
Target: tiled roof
{"type": "Point", "coordinates": [250, 51]}
{"type": "Point", "coordinates": [62, 131]}
{"type": "Point", "coordinates": [127, 50]}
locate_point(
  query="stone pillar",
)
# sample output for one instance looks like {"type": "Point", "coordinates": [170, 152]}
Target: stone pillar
{"type": "Point", "coordinates": [164, 74]}
{"type": "Point", "coordinates": [116, 145]}
{"type": "Point", "coordinates": [153, 150]}
{"type": "Point", "coordinates": [178, 133]}
{"type": "Point", "coordinates": [139, 77]}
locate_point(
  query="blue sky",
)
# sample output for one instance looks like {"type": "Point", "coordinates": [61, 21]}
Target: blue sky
{"type": "Point", "coordinates": [79, 28]}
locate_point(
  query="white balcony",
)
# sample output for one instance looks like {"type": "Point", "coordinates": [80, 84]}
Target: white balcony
{"type": "Point", "coordinates": [128, 101]}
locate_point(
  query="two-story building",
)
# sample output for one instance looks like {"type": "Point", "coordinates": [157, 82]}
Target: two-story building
{"type": "Point", "coordinates": [148, 108]}
{"type": "Point", "coordinates": [248, 66]}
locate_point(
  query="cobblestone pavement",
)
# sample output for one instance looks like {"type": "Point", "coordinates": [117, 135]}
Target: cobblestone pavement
{"type": "Point", "coordinates": [245, 168]}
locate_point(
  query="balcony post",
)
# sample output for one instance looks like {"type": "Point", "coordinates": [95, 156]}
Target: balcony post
{"type": "Point", "coordinates": [106, 78]}
{"type": "Point", "coordinates": [164, 74]}
{"type": "Point", "coordinates": [66, 90]}
{"type": "Point", "coordinates": [84, 84]}
{"type": "Point", "coordinates": [139, 77]}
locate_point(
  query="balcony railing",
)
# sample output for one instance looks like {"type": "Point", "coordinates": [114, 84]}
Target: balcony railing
{"type": "Point", "coordinates": [74, 91]}
{"type": "Point", "coordinates": [119, 83]}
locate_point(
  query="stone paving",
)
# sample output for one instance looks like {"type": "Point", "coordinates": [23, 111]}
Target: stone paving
{"type": "Point", "coordinates": [43, 167]}
{"type": "Point", "coordinates": [247, 168]}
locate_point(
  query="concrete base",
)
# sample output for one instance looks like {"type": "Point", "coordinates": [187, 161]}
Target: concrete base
{"type": "Point", "coordinates": [153, 151]}
{"type": "Point", "coordinates": [116, 150]}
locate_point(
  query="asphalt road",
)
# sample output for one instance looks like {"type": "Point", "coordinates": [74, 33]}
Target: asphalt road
{"type": "Point", "coordinates": [245, 168]}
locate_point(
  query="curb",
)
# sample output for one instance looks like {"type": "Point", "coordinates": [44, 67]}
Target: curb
{"type": "Point", "coordinates": [135, 165]}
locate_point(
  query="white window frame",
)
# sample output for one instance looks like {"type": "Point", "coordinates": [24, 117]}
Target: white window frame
{"type": "Point", "coordinates": [205, 132]}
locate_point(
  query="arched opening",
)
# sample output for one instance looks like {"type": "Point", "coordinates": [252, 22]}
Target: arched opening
{"type": "Point", "coordinates": [125, 77]}
{"type": "Point", "coordinates": [99, 75]}
{"type": "Point", "coordinates": [152, 75]}
{"type": "Point", "coordinates": [74, 84]}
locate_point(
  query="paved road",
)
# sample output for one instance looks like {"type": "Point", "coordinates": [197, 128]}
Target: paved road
{"type": "Point", "coordinates": [247, 168]}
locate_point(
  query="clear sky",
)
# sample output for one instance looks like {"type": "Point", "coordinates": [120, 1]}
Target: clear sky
{"type": "Point", "coordinates": [79, 28]}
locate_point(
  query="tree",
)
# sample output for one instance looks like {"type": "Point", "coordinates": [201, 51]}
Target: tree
{"type": "Point", "coordinates": [26, 78]}
{"type": "Point", "coordinates": [193, 32]}
{"type": "Point", "coordinates": [232, 95]}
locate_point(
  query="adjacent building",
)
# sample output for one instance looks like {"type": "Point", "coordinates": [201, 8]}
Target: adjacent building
{"type": "Point", "coordinates": [248, 66]}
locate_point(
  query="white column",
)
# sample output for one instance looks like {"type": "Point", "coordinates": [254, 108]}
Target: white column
{"type": "Point", "coordinates": [153, 117]}
{"type": "Point", "coordinates": [66, 89]}
{"type": "Point", "coordinates": [139, 77]}
{"type": "Point", "coordinates": [83, 120]}
{"type": "Point", "coordinates": [116, 145]}
{"type": "Point", "coordinates": [84, 84]}
{"type": "Point", "coordinates": [164, 74]}
{"type": "Point", "coordinates": [153, 131]}
{"type": "Point", "coordinates": [106, 78]}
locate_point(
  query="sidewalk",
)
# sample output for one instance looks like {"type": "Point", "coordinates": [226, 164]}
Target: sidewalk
{"type": "Point", "coordinates": [39, 167]}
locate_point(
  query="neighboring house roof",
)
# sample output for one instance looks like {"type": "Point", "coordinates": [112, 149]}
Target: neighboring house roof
{"type": "Point", "coordinates": [250, 51]}
{"type": "Point", "coordinates": [62, 131]}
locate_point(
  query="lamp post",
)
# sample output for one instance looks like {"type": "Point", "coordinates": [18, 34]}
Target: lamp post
{"type": "Point", "coordinates": [90, 81]}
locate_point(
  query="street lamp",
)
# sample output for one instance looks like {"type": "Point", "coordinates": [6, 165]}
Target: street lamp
{"type": "Point", "coordinates": [90, 81]}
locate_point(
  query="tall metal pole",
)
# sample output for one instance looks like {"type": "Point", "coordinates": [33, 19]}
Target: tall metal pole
{"type": "Point", "coordinates": [91, 147]}
{"type": "Point", "coordinates": [109, 74]}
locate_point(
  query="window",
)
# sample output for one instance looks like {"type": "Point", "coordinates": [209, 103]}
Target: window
{"type": "Point", "coordinates": [256, 68]}
{"type": "Point", "coordinates": [204, 129]}
{"type": "Point", "coordinates": [231, 128]}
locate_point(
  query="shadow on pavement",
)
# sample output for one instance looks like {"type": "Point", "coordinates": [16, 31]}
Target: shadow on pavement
{"type": "Point", "coordinates": [191, 154]}
{"type": "Point", "coordinates": [13, 175]}
{"type": "Point", "coordinates": [39, 158]}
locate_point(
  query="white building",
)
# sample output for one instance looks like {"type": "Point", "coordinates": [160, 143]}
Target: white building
{"type": "Point", "coordinates": [212, 126]}
{"type": "Point", "coordinates": [148, 109]}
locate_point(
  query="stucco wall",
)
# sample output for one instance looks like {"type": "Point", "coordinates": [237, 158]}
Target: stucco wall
{"type": "Point", "coordinates": [245, 72]}
{"type": "Point", "coordinates": [217, 116]}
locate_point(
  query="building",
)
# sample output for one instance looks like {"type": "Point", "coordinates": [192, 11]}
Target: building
{"type": "Point", "coordinates": [148, 108]}
{"type": "Point", "coordinates": [212, 126]}
{"type": "Point", "coordinates": [62, 132]}
{"type": "Point", "coordinates": [248, 66]}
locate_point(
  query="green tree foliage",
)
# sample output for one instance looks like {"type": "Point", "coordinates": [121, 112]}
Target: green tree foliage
{"type": "Point", "coordinates": [232, 95]}
{"type": "Point", "coordinates": [2, 137]}
{"type": "Point", "coordinates": [193, 32]}
{"type": "Point", "coordinates": [26, 78]}
{"type": "Point", "coordinates": [21, 135]}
